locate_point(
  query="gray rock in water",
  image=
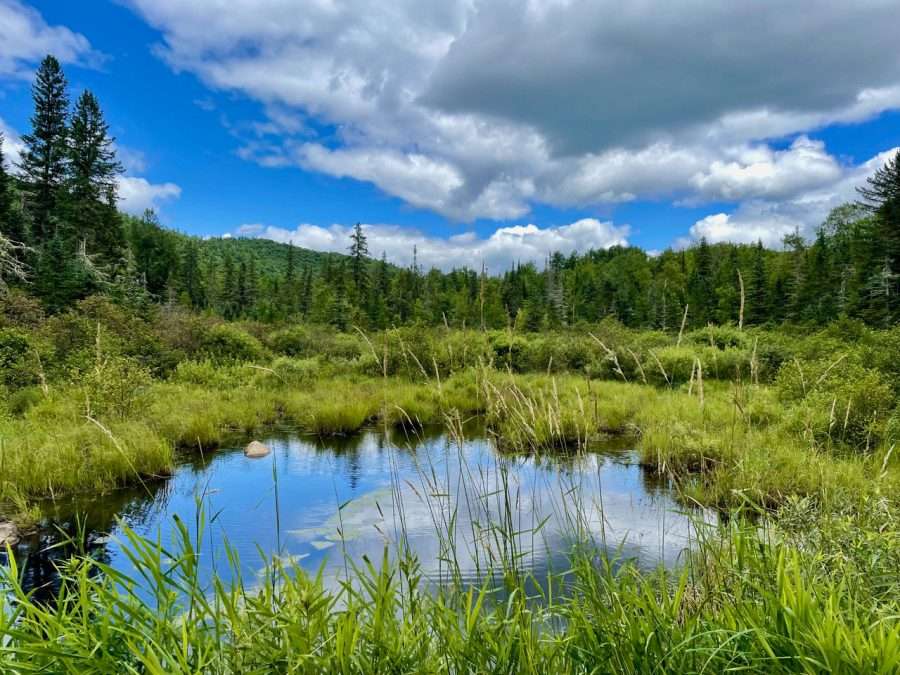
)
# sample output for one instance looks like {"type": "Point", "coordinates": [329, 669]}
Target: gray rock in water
{"type": "Point", "coordinates": [256, 450]}
{"type": "Point", "coordinates": [9, 534]}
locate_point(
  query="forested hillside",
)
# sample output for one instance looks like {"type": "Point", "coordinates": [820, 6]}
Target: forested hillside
{"type": "Point", "coordinates": [64, 239]}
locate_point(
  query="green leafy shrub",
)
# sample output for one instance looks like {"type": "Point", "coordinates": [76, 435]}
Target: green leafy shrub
{"type": "Point", "coordinates": [115, 387]}
{"type": "Point", "coordinates": [226, 342]}
{"type": "Point", "coordinates": [18, 365]}
{"type": "Point", "coordinates": [293, 341]}
{"type": "Point", "coordinates": [721, 337]}
{"type": "Point", "coordinates": [839, 400]}
{"type": "Point", "coordinates": [892, 429]}
{"type": "Point", "coordinates": [677, 362]}
{"type": "Point", "coordinates": [294, 372]}
{"type": "Point", "coordinates": [509, 351]}
{"type": "Point", "coordinates": [21, 401]}
{"type": "Point", "coordinates": [210, 375]}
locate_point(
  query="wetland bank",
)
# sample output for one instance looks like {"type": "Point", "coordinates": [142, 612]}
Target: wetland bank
{"type": "Point", "coordinates": [527, 502]}
{"type": "Point", "coordinates": [566, 461]}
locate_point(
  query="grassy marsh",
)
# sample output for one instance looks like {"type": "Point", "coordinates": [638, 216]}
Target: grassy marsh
{"type": "Point", "coordinates": [799, 434]}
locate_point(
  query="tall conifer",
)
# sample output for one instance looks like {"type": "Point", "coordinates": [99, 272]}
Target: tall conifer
{"type": "Point", "coordinates": [45, 160]}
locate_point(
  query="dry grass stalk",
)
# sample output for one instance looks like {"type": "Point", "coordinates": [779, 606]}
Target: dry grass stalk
{"type": "Point", "coordinates": [683, 324]}
{"type": "Point", "coordinates": [611, 356]}
{"type": "Point", "coordinates": [638, 363]}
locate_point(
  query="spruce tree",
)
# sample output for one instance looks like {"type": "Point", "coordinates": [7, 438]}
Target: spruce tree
{"type": "Point", "coordinates": [288, 292]}
{"type": "Point", "coordinates": [359, 253]}
{"type": "Point", "coordinates": [229, 295]}
{"type": "Point", "coordinates": [45, 161]}
{"type": "Point", "coordinates": [92, 181]}
{"type": "Point", "coordinates": [758, 288]}
{"type": "Point", "coordinates": [700, 284]}
{"type": "Point", "coordinates": [191, 280]}
{"type": "Point", "coordinates": [881, 195]}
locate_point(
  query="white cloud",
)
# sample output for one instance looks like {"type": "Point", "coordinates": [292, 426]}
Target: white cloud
{"type": "Point", "coordinates": [138, 194]}
{"type": "Point", "coordinates": [12, 146]}
{"type": "Point", "coordinates": [504, 247]}
{"type": "Point", "coordinates": [25, 38]}
{"type": "Point", "coordinates": [769, 220]}
{"type": "Point", "coordinates": [758, 172]}
{"type": "Point", "coordinates": [480, 109]}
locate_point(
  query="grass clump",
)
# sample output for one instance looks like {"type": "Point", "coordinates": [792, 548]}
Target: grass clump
{"type": "Point", "coordinates": [768, 598]}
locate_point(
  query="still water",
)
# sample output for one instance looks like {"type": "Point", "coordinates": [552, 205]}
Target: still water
{"type": "Point", "coordinates": [313, 500]}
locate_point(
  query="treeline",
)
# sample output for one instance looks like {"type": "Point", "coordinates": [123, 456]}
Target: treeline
{"type": "Point", "coordinates": [64, 239]}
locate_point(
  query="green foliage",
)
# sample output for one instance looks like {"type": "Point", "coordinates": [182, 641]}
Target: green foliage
{"type": "Point", "coordinates": [18, 367]}
{"type": "Point", "coordinates": [840, 400]}
{"type": "Point", "coordinates": [114, 388]}
{"type": "Point", "coordinates": [22, 400]}
{"type": "Point", "coordinates": [226, 342]}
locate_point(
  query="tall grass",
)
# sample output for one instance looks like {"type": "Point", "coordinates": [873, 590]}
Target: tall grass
{"type": "Point", "coordinates": [749, 599]}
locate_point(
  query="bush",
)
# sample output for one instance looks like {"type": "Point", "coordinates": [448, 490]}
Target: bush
{"type": "Point", "coordinates": [892, 429]}
{"type": "Point", "coordinates": [839, 400]}
{"type": "Point", "coordinates": [294, 341]}
{"type": "Point", "coordinates": [18, 365]}
{"type": "Point", "coordinates": [509, 351]}
{"type": "Point", "coordinates": [226, 342]}
{"type": "Point", "coordinates": [211, 375]}
{"type": "Point", "coordinates": [21, 401]}
{"type": "Point", "coordinates": [721, 337]}
{"type": "Point", "coordinates": [293, 372]}
{"type": "Point", "coordinates": [115, 387]}
{"type": "Point", "coordinates": [678, 363]}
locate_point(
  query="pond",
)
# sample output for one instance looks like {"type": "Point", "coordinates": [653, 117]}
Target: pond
{"type": "Point", "coordinates": [313, 500]}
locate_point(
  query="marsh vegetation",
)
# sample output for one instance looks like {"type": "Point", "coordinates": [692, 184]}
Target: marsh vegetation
{"type": "Point", "coordinates": [789, 438]}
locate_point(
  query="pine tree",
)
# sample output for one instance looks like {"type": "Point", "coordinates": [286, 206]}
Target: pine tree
{"type": "Point", "coordinates": [702, 294]}
{"type": "Point", "coordinates": [191, 280]}
{"type": "Point", "coordinates": [59, 279]}
{"type": "Point", "coordinates": [381, 290]}
{"type": "Point", "coordinates": [881, 196]}
{"type": "Point", "coordinates": [242, 300]}
{"type": "Point", "coordinates": [229, 296]}
{"type": "Point", "coordinates": [92, 181]}
{"type": "Point", "coordinates": [359, 253]}
{"type": "Point", "coordinates": [758, 288]}
{"type": "Point", "coordinates": [45, 161]}
{"type": "Point", "coordinates": [555, 300]}
{"type": "Point", "coordinates": [288, 291]}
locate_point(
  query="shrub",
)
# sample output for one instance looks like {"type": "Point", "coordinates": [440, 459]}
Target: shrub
{"type": "Point", "coordinates": [293, 341]}
{"type": "Point", "coordinates": [21, 401]}
{"type": "Point", "coordinates": [840, 400]}
{"type": "Point", "coordinates": [678, 362]}
{"type": "Point", "coordinates": [721, 337]}
{"type": "Point", "coordinates": [509, 351]}
{"type": "Point", "coordinates": [226, 342]}
{"type": "Point", "coordinates": [210, 375]}
{"type": "Point", "coordinates": [18, 366]}
{"type": "Point", "coordinates": [293, 372]}
{"type": "Point", "coordinates": [115, 387]}
{"type": "Point", "coordinates": [892, 429]}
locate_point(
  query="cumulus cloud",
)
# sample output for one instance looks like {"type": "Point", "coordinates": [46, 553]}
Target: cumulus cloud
{"type": "Point", "coordinates": [138, 194]}
{"type": "Point", "coordinates": [769, 220]}
{"type": "Point", "coordinates": [758, 172]}
{"type": "Point", "coordinates": [480, 109]}
{"type": "Point", "coordinates": [12, 145]}
{"type": "Point", "coordinates": [504, 247]}
{"type": "Point", "coordinates": [25, 38]}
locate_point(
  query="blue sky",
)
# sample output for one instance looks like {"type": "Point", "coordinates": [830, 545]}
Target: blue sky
{"type": "Point", "coordinates": [473, 130]}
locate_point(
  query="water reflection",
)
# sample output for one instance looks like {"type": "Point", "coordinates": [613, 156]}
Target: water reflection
{"type": "Point", "coordinates": [361, 493]}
